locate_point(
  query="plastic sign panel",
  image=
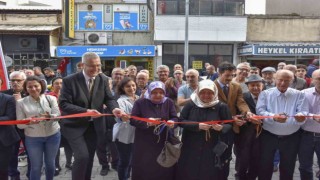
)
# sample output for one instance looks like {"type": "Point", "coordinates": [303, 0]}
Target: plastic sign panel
{"type": "Point", "coordinates": [90, 20]}
{"type": "Point", "coordinates": [106, 51]}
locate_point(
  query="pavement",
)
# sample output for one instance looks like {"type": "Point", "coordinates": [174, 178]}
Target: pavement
{"type": "Point", "coordinates": [65, 174]}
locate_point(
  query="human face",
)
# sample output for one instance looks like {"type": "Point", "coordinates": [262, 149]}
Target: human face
{"type": "Point", "coordinates": [178, 76]}
{"type": "Point", "coordinates": [34, 89]}
{"type": "Point", "coordinates": [17, 83]}
{"type": "Point", "coordinates": [243, 71]}
{"type": "Point", "coordinates": [130, 88]}
{"type": "Point", "coordinates": [268, 76]}
{"type": "Point", "coordinates": [57, 85]}
{"type": "Point", "coordinates": [254, 72]}
{"type": "Point", "coordinates": [92, 67]}
{"type": "Point", "coordinates": [226, 76]}
{"type": "Point", "coordinates": [157, 95]}
{"type": "Point", "coordinates": [316, 80]}
{"type": "Point", "coordinates": [210, 70]}
{"type": "Point", "coordinates": [301, 73]}
{"type": "Point", "coordinates": [283, 81]}
{"type": "Point", "coordinates": [117, 75]}
{"type": "Point", "coordinates": [163, 74]}
{"type": "Point", "coordinates": [281, 66]}
{"type": "Point", "coordinates": [132, 71]}
{"type": "Point", "coordinates": [177, 67]}
{"type": "Point", "coordinates": [142, 80]}
{"type": "Point", "coordinates": [255, 88]}
{"type": "Point", "coordinates": [191, 78]}
{"type": "Point", "coordinates": [29, 72]}
{"type": "Point", "coordinates": [206, 95]}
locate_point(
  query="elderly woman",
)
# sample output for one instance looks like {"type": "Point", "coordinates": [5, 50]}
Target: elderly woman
{"type": "Point", "coordinates": [198, 160]}
{"type": "Point", "coordinates": [42, 138]}
{"type": "Point", "coordinates": [123, 132]}
{"type": "Point", "coordinates": [148, 144]}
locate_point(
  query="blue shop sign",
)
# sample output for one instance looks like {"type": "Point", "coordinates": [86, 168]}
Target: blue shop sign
{"type": "Point", "coordinates": [278, 50]}
{"type": "Point", "coordinates": [106, 51]}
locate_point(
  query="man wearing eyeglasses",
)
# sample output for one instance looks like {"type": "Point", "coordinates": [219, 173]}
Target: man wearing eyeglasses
{"type": "Point", "coordinates": [242, 73]}
{"type": "Point", "coordinates": [17, 79]}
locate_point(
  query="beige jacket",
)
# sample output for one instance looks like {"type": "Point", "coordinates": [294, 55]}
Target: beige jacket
{"type": "Point", "coordinates": [28, 107]}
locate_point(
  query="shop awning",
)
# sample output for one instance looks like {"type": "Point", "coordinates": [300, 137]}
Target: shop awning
{"type": "Point", "coordinates": [107, 51]}
{"type": "Point", "coordinates": [280, 49]}
{"type": "Point", "coordinates": [26, 29]}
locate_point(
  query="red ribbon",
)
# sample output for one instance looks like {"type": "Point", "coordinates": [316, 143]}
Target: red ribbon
{"type": "Point", "coordinates": [94, 115]}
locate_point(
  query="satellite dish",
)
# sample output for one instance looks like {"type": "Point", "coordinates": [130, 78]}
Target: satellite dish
{"type": "Point", "coordinates": [8, 60]}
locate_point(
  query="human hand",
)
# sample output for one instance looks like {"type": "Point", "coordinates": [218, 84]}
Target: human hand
{"type": "Point", "coordinates": [31, 122]}
{"type": "Point", "coordinates": [238, 122]}
{"type": "Point", "coordinates": [170, 124]}
{"type": "Point", "coordinates": [280, 118]}
{"type": "Point", "coordinates": [45, 115]}
{"type": "Point", "coordinates": [251, 118]}
{"type": "Point", "coordinates": [300, 117]}
{"type": "Point", "coordinates": [155, 121]}
{"type": "Point", "coordinates": [118, 112]}
{"type": "Point", "coordinates": [95, 112]}
{"type": "Point", "coordinates": [217, 127]}
{"type": "Point", "coordinates": [125, 118]}
{"type": "Point", "coordinates": [17, 96]}
{"type": "Point", "coordinates": [204, 126]}
{"type": "Point", "coordinates": [316, 117]}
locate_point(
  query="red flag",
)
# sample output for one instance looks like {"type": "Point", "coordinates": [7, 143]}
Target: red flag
{"type": "Point", "coordinates": [63, 64]}
{"type": "Point", "coordinates": [3, 71]}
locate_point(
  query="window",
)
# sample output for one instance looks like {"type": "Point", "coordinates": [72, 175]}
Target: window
{"type": "Point", "coordinates": [202, 7]}
{"type": "Point", "coordinates": [211, 53]}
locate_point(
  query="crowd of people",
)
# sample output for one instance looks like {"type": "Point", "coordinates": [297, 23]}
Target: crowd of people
{"type": "Point", "coordinates": [264, 120]}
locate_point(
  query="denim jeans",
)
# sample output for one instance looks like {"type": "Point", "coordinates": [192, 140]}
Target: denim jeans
{"type": "Point", "coordinates": [125, 156]}
{"type": "Point", "coordinates": [309, 145]}
{"type": "Point", "coordinates": [276, 159]}
{"type": "Point", "coordinates": [43, 149]}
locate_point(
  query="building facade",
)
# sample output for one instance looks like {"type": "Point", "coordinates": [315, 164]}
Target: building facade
{"type": "Point", "coordinates": [281, 30]}
{"type": "Point", "coordinates": [215, 30]}
{"type": "Point", "coordinates": [120, 31]}
{"type": "Point", "coordinates": [29, 32]}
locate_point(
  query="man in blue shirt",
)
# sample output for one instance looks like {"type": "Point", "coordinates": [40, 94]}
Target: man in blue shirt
{"type": "Point", "coordinates": [287, 108]}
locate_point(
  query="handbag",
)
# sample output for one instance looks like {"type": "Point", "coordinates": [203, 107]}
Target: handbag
{"type": "Point", "coordinates": [171, 151]}
{"type": "Point", "coordinates": [218, 150]}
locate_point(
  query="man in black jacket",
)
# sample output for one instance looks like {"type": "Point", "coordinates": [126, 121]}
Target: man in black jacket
{"type": "Point", "coordinates": [8, 133]}
{"type": "Point", "coordinates": [85, 91]}
{"type": "Point", "coordinates": [249, 152]}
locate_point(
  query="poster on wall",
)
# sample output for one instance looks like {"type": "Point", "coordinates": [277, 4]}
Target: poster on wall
{"type": "Point", "coordinates": [124, 21]}
{"type": "Point", "coordinates": [90, 20]}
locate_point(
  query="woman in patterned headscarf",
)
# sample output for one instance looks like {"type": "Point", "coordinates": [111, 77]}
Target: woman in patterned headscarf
{"type": "Point", "coordinates": [198, 160]}
{"type": "Point", "coordinates": [148, 144]}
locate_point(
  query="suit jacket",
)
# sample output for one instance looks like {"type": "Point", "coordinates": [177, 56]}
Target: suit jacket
{"type": "Point", "coordinates": [299, 84]}
{"type": "Point", "coordinates": [74, 98]}
{"type": "Point", "coordinates": [235, 101]}
{"type": "Point", "coordinates": [250, 102]}
{"type": "Point", "coordinates": [8, 134]}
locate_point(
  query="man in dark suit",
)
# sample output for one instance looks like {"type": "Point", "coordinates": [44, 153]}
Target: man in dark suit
{"type": "Point", "coordinates": [85, 91]}
{"type": "Point", "coordinates": [8, 134]}
{"type": "Point", "coordinates": [17, 79]}
{"type": "Point", "coordinates": [230, 93]}
{"type": "Point", "coordinates": [248, 152]}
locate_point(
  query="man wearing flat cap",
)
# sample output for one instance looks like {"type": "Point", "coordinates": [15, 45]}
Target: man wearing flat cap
{"type": "Point", "coordinates": [268, 77]}
{"type": "Point", "coordinates": [248, 157]}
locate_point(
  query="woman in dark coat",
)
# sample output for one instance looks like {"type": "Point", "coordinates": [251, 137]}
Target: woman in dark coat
{"type": "Point", "coordinates": [197, 160]}
{"type": "Point", "coordinates": [147, 144]}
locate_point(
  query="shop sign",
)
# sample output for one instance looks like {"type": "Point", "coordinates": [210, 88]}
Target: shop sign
{"type": "Point", "coordinates": [279, 50]}
{"type": "Point", "coordinates": [197, 64]}
{"type": "Point", "coordinates": [106, 51]}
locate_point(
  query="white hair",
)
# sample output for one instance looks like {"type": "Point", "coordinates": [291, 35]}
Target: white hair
{"type": "Point", "coordinates": [194, 71]}
{"type": "Point", "coordinates": [18, 73]}
{"type": "Point", "coordinates": [243, 64]}
{"type": "Point", "coordinates": [163, 67]}
{"type": "Point", "coordinates": [89, 55]}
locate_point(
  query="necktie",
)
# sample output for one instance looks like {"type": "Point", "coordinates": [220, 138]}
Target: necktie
{"type": "Point", "coordinates": [91, 81]}
{"type": "Point", "coordinates": [226, 91]}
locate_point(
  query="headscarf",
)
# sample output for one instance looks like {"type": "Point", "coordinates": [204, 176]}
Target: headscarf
{"type": "Point", "coordinates": [155, 85]}
{"type": "Point", "coordinates": [205, 84]}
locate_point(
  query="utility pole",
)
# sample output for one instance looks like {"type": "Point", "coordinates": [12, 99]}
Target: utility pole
{"type": "Point", "coordinates": [186, 40]}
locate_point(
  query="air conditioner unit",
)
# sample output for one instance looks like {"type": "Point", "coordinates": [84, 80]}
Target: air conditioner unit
{"type": "Point", "coordinates": [28, 43]}
{"type": "Point", "coordinates": [96, 37]}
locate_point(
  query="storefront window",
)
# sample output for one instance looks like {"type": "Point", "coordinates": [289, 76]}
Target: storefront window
{"type": "Point", "coordinates": [211, 53]}
{"type": "Point", "coordinates": [202, 7]}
